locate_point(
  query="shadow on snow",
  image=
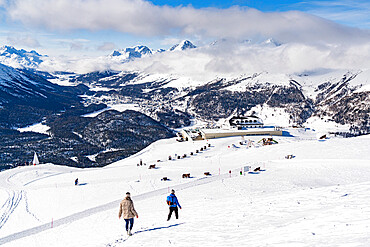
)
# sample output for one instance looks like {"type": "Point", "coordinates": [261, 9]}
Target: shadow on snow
{"type": "Point", "coordinates": [158, 228]}
{"type": "Point", "coordinates": [123, 239]}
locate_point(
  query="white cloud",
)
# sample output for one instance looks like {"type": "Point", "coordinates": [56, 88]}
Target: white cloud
{"type": "Point", "coordinates": [72, 44]}
{"type": "Point", "coordinates": [68, 41]}
{"type": "Point", "coordinates": [23, 40]}
{"type": "Point", "coordinates": [79, 65]}
{"type": "Point", "coordinates": [143, 18]}
{"type": "Point", "coordinates": [208, 63]}
{"type": "Point", "coordinates": [107, 46]}
{"type": "Point", "coordinates": [230, 59]}
{"type": "Point", "coordinates": [170, 41]}
{"type": "Point", "coordinates": [77, 46]}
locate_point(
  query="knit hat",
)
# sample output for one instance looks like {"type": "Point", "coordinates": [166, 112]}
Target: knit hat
{"type": "Point", "coordinates": [173, 191]}
{"type": "Point", "coordinates": [128, 194]}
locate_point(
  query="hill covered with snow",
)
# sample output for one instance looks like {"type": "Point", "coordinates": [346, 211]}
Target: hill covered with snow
{"type": "Point", "coordinates": [317, 198]}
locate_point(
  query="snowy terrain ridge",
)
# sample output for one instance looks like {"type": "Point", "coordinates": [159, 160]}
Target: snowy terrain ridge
{"type": "Point", "coordinates": [141, 51]}
{"type": "Point", "coordinates": [20, 58]}
{"type": "Point", "coordinates": [319, 197]}
{"type": "Point", "coordinates": [132, 53]}
{"type": "Point", "coordinates": [339, 97]}
{"type": "Point", "coordinates": [183, 45]}
{"type": "Point", "coordinates": [209, 84]}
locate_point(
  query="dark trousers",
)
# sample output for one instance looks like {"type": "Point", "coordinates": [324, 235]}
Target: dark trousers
{"type": "Point", "coordinates": [176, 212]}
{"type": "Point", "coordinates": [129, 223]}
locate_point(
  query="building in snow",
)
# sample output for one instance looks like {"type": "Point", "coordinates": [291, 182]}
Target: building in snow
{"type": "Point", "coordinates": [241, 122]}
{"type": "Point", "coordinates": [239, 126]}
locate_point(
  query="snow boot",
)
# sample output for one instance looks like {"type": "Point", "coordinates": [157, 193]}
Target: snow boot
{"type": "Point", "coordinates": [129, 233]}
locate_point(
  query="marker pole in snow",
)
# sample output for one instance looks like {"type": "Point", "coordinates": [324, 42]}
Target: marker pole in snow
{"type": "Point", "coordinates": [52, 222]}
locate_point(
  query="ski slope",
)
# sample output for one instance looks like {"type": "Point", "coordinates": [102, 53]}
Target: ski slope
{"type": "Point", "coordinates": [318, 198]}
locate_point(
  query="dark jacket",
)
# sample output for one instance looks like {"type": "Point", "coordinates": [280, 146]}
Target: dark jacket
{"type": "Point", "coordinates": [172, 201]}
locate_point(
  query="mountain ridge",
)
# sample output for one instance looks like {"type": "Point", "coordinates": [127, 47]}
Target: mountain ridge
{"type": "Point", "coordinates": [173, 100]}
{"type": "Point", "coordinates": [20, 58]}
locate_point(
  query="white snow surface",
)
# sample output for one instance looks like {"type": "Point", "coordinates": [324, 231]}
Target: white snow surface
{"type": "Point", "coordinates": [117, 107]}
{"type": "Point", "coordinates": [38, 128]}
{"type": "Point", "coordinates": [318, 198]}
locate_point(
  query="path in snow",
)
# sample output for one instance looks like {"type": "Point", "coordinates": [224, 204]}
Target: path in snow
{"type": "Point", "coordinates": [14, 200]}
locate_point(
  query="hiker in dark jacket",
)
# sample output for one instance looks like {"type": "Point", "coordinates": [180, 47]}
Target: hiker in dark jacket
{"type": "Point", "coordinates": [173, 203]}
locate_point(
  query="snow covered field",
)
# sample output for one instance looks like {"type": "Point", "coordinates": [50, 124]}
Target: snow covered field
{"type": "Point", "coordinates": [38, 128]}
{"type": "Point", "coordinates": [318, 198]}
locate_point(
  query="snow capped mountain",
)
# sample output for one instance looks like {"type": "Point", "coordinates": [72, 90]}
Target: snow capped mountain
{"type": "Point", "coordinates": [208, 81]}
{"type": "Point", "coordinates": [160, 50]}
{"type": "Point", "coordinates": [209, 84]}
{"type": "Point", "coordinates": [131, 53]}
{"type": "Point", "coordinates": [183, 45]}
{"type": "Point", "coordinates": [271, 42]}
{"type": "Point", "coordinates": [20, 58]}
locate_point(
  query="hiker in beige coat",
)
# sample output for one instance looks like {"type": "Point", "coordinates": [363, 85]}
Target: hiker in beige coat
{"type": "Point", "coordinates": [128, 212]}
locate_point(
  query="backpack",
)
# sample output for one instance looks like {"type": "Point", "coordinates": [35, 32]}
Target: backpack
{"type": "Point", "coordinates": [170, 202]}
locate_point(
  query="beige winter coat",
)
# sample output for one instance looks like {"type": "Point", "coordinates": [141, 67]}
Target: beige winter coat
{"type": "Point", "coordinates": [126, 209]}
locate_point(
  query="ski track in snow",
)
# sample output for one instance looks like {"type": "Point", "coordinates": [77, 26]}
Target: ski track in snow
{"type": "Point", "coordinates": [15, 198]}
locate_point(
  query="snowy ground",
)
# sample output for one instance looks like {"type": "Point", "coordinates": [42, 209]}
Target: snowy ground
{"type": "Point", "coordinates": [38, 128]}
{"type": "Point", "coordinates": [318, 198]}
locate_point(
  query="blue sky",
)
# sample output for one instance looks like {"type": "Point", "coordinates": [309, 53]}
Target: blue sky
{"type": "Point", "coordinates": [353, 13]}
{"type": "Point", "coordinates": [96, 27]}
{"type": "Point", "coordinates": [260, 5]}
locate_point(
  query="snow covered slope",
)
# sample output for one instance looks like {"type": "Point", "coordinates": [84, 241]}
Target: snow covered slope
{"type": "Point", "coordinates": [318, 198]}
{"type": "Point", "coordinates": [19, 58]}
{"type": "Point", "coordinates": [26, 97]}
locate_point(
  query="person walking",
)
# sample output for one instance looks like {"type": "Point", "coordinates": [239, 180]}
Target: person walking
{"type": "Point", "coordinates": [128, 212]}
{"type": "Point", "coordinates": [173, 203]}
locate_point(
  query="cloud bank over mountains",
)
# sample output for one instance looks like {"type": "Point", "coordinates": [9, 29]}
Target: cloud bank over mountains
{"type": "Point", "coordinates": [207, 62]}
{"type": "Point", "coordinates": [143, 18]}
{"type": "Point", "coordinates": [308, 42]}
{"type": "Point", "coordinates": [228, 59]}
